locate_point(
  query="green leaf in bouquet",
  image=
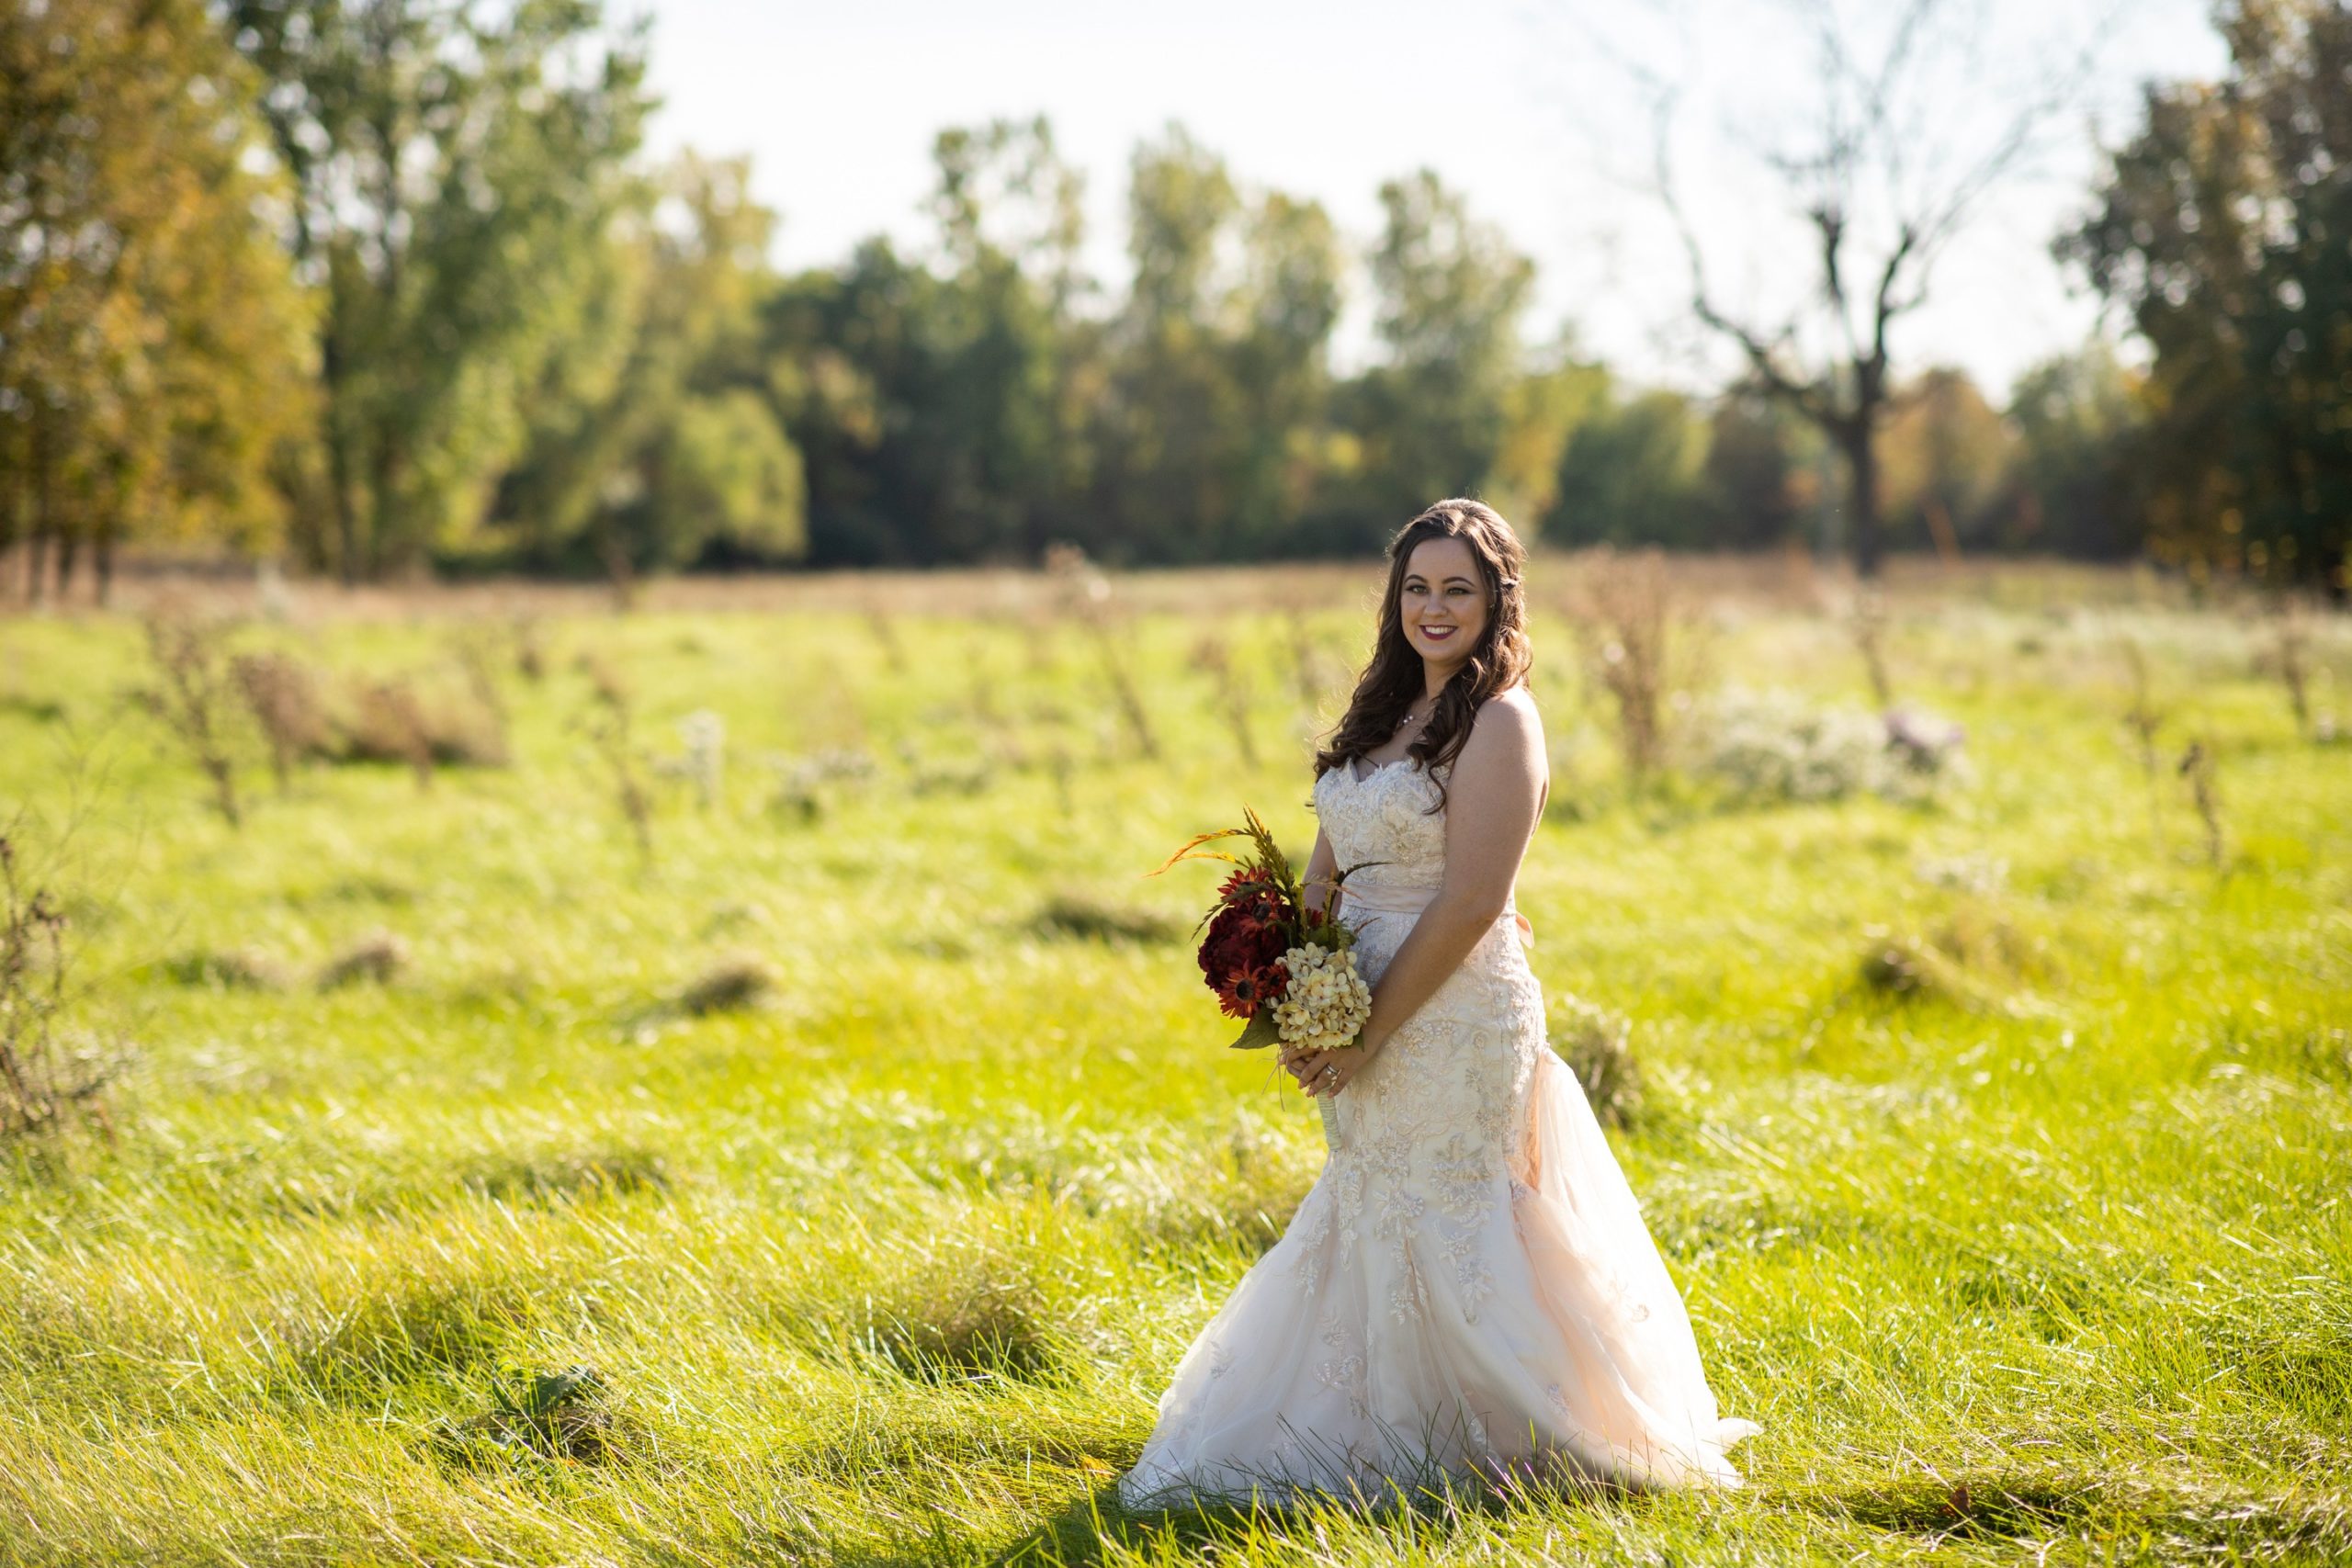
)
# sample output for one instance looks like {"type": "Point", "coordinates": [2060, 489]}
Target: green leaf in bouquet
{"type": "Point", "coordinates": [1262, 1030]}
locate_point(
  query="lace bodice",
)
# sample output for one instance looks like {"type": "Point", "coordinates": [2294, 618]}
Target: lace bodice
{"type": "Point", "coordinates": [1382, 822]}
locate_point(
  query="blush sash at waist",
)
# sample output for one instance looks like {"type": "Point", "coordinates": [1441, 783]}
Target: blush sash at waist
{"type": "Point", "coordinates": [1410, 899]}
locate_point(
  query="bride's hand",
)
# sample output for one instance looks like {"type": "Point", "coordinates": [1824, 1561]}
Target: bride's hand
{"type": "Point", "coordinates": [1329, 1072]}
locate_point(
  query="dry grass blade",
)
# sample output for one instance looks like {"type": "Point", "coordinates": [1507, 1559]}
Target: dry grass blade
{"type": "Point", "coordinates": [1868, 623]}
{"type": "Point", "coordinates": [192, 700]}
{"type": "Point", "coordinates": [41, 1078]}
{"type": "Point", "coordinates": [284, 699]}
{"type": "Point", "coordinates": [1233, 696]}
{"type": "Point", "coordinates": [388, 726]}
{"type": "Point", "coordinates": [2205, 794]}
{"type": "Point", "coordinates": [1627, 621]}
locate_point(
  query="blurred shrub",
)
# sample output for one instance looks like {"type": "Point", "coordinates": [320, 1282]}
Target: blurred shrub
{"type": "Point", "coordinates": [47, 1071]}
{"type": "Point", "coordinates": [1773, 746]}
{"type": "Point", "coordinates": [555, 1415]}
{"type": "Point", "coordinates": [733, 985]}
{"type": "Point", "coordinates": [284, 699]}
{"type": "Point", "coordinates": [1068, 913]}
{"type": "Point", "coordinates": [375, 958]}
{"type": "Point", "coordinates": [1597, 1046]}
{"type": "Point", "coordinates": [227, 969]}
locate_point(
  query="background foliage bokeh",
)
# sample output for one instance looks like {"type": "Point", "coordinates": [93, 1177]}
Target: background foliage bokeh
{"type": "Point", "coordinates": [394, 286]}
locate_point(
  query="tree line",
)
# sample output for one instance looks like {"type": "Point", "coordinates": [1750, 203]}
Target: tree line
{"type": "Point", "coordinates": [390, 286]}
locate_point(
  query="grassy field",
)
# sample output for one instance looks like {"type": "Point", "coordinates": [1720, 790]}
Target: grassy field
{"type": "Point", "coordinates": [865, 1131]}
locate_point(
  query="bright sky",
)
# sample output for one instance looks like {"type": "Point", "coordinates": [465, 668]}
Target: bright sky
{"type": "Point", "coordinates": [1523, 105]}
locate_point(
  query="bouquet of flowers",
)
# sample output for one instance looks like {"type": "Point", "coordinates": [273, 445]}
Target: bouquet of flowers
{"type": "Point", "coordinates": [1275, 961]}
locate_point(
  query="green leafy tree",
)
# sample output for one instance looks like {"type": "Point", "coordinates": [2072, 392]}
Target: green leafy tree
{"type": "Point", "coordinates": [725, 476]}
{"type": "Point", "coordinates": [943, 410]}
{"type": "Point", "coordinates": [2083, 459]}
{"type": "Point", "coordinates": [1547, 405]}
{"type": "Point", "coordinates": [2220, 227]}
{"type": "Point", "coordinates": [1001, 446]}
{"type": "Point", "coordinates": [1946, 455]}
{"type": "Point", "coordinates": [1758, 468]}
{"type": "Point", "coordinates": [458, 166]}
{"type": "Point", "coordinates": [629, 461]}
{"type": "Point", "coordinates": [1282, 313]}
{"type": "Point", "coordinates": [1636, 472]}
{"type": "Point", "coordinates": [1215, 434]}
{"type": "Point", "coordinates": [1173, 443]}
{"type": "Point", "coordinates": [1432, 418]}
{"type": "Point", "coordinates": [150, 334]}
{"type": "Point", "coordinates": [853, 368]}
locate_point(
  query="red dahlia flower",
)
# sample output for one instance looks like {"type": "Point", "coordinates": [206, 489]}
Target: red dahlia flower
{"type": "Point", "coordinates": [1249, 879]}
{"type": "Point", "coordinates": [1243, 993]}
{"type": "Point", "coordinates": [1236, 940]}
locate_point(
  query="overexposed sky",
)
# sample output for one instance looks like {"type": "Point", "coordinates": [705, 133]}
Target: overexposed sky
{"type": "Point", "coordinates": [1528, 107]}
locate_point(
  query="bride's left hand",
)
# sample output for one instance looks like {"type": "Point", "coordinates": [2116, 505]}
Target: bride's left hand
{"type": "Point", "coordinates": [1329, 1072]}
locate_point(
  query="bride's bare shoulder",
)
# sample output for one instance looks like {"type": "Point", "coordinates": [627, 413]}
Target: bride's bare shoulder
{"type": "Point", "coordinates": [1514, 710]}
{"type": "Point", "coordinates": [1507, 723]}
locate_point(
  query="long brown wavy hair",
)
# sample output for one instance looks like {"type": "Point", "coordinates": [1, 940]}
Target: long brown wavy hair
{"type": "Point", "coordinates": [1396, 676]}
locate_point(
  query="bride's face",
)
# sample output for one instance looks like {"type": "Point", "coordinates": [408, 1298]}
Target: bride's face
{"type": "Point", "coordinates": [1443, 600]}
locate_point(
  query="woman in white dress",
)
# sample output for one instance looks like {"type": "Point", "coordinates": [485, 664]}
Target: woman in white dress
{"type": "Point", "coordinates": [1468, 1291]}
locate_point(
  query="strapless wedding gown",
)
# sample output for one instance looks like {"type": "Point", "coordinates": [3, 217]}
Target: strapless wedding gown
{"type": "Point", "coordinates": [1468, 1290]}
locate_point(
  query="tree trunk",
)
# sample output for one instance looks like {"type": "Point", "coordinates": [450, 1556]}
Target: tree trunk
{"type": "Point", "coordinates": [44, 511]}
{"type": "Point", "coordinates": [69, 554]}
{"type": "Point", "coordinates": [389, 546]}
{"type": "Point", "coordinates": [1857, 440]}
{"type": "Point", "coordinates": [11, 514]}
{"type": "Point", "coordinates": [346, 518]}
{"type": "Point", "coordinates": [102, 562]}
{"type": "Point", "coordinates": [618, 569]}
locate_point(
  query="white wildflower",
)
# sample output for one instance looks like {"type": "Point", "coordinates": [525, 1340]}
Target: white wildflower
{"type": "Point", "coordinates": [1774, 745]}
{"type": "Point", "coordinates": [704, 734]}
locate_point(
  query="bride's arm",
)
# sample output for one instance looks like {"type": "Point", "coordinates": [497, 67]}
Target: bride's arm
{"type": "Point", "coordinates": [1493, 799]}
{"type": "Point", "coordinates": [1321, 865]}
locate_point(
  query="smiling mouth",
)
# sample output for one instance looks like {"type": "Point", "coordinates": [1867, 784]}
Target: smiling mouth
{"type": "Point", "coordinates": [1439, 633]}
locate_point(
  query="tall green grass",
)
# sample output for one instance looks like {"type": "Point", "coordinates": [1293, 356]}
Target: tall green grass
{"type": "Point", "coordinates": [881, 1249]}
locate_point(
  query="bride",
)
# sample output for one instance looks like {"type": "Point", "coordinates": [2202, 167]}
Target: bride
{"type": "Point", "coordinates": [1468, 1291]}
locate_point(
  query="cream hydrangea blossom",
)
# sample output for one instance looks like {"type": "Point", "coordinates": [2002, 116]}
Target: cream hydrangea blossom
{"type": "Point", "coordinates": [1326, 1002]}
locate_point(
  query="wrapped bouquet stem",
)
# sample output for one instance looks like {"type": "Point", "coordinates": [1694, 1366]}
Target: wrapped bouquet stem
{"type": "Point", "coordinates": [1276, 961]}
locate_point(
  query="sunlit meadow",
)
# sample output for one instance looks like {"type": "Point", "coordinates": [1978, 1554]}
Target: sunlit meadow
{"type": "Point", "coordinates": [770, 1118]}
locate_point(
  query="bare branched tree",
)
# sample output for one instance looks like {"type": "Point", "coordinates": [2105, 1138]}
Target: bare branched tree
{"type": "Point", "coordinates": [1883, 183]}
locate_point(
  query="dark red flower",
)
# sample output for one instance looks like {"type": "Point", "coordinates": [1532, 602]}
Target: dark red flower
{"type": "Point", "coordinates": [1237, 940]}
{"type": "Point", "coordinates": [1245, 883]}
{"type": "Point", "coordinates": [1243, 993]}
